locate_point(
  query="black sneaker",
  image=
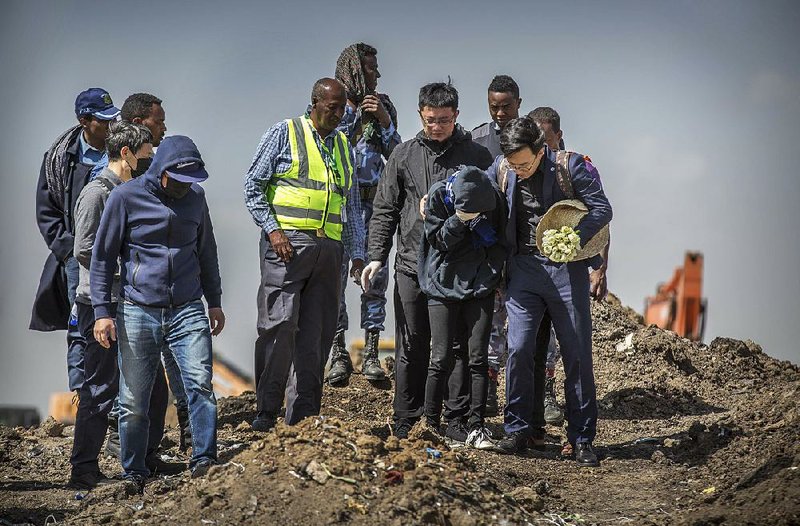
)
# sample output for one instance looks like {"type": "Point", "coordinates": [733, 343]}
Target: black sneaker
{"type": "Point", "coordinates": [456, 432]}
{"type": "Point", "coordinates": [88, 480]}
{"type": "Point", "coordinates": [264, 421]}
{"type": "Point", "coordinates": [402, 427]}
{"type": "Point", "coordinates": [133, 484]}
{"type": "Point", "coordinates": [201, 468]}
{"type": "Point", "coordinates": [158, 466]}
{"type": "Point", "coordinates": [514, 443]}
{"type": "Point", "coordinates": [585, 455]}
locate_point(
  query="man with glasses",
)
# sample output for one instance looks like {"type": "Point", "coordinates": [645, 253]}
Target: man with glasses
{"type": "Point", "coordinates": [433, 155]}
{"type": "Point", "coordinates": [536, 284]}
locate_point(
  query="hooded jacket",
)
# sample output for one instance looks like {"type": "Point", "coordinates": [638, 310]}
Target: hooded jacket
{"type": "Point", "coordinates": [453, 266]}
{"type": "Point", "coordinates": [166, 246]}
{"type": "Point", "coordinates": [410, 171]}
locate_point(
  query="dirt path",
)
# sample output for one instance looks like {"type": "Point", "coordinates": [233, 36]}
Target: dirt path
{"type": "Point", "coordinates": [689, 434]}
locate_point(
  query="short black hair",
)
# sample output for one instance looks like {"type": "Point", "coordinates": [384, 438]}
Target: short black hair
{"type": "Point", "coordinates": [546, 114]}
{"type": "Point", "coordinates": [138, 105]}
{"type": "Point", "coordinates": [518, 134]}
{"type": "Point", "coordinates": [124, 133]}
{"type": "Point", "coordinates": [504, 84]}
{"type": "Point", "coordinates": [438, 95]}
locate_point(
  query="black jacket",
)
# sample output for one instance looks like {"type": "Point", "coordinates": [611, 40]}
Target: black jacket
{"type": "Point", "coordinates": [51, 307]}
{"type": "Point", "coordinates": [410, 171]}
{"type": "Point", "coordinates": [451, 266]}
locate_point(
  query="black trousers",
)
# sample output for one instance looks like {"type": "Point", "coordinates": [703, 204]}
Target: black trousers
{"type": "Point", "coordinates": [97, 394]}
{"type": "Point", "coordinates": [540, 369]}
{"type": "Point", "coordinates": [473, 319]}
{"type": "Point", "coordinates": [413, 352]}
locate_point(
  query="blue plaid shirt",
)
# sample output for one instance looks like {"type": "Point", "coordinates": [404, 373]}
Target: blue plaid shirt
{"type": "Point", "coordinates": [369, 162]}
{"type": "Point", "coordinates": [274, 155]}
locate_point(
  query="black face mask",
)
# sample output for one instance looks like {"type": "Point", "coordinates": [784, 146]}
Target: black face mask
{"type": "Point", "coordinates": [141, 167]}
{"type": "Point", "coordinates": [176, 189]}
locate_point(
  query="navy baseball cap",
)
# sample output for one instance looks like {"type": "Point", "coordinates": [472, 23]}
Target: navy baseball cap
{"type": "Point", "coordinates": [181, 159]}
{"type": "Point", "coordinates": [96, 102]}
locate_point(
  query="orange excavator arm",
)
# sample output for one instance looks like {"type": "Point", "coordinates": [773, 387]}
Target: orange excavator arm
{"type": "Point", "coordinates": [679, 305]}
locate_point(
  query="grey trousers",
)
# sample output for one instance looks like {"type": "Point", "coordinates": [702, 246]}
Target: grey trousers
{"type": "Point", "coordinates": [298, 306]}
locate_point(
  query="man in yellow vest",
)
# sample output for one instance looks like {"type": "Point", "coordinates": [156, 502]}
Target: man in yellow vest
{"type": "Point", "coordinates": [300, 190]}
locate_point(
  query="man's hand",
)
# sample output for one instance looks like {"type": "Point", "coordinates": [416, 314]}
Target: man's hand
{"type": "Point", "coordinates": [356, 268]}
{"type": "Point", "coordinates": [598, 287]}
{"type": "Point", "coordinates": [369, 272]}
{"type": "Point", "coordinates": [281, 245]}
{"type": "Point", "coordinates": [466, 217]}
{"type": "Point", "coordinates": [105, 332]}
{"type": "Point", "coordinates": [217, 320]}
{"type": "Point", "coordinates": [422, 204]}
{"type": "Point", "coordinates": [372, 104]}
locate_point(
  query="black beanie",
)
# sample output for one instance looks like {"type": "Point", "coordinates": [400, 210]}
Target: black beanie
{"type": "Point", "coordinates": [473, 191]}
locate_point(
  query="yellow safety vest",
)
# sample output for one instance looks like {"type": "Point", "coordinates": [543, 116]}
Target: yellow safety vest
{"type": "Point", "coordinates": [311, 195]}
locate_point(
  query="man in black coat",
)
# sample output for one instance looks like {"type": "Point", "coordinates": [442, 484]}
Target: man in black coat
{"type": "Point", "coordinates": [433, 155]}
{"type": "Point", "coordinates": [66, 168]}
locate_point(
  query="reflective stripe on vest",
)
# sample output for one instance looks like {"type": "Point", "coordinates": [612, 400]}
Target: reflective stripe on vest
{"type": "Point", "coordinates": [311, 195]}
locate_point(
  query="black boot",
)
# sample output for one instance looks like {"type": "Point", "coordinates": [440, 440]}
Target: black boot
{"type": "Point", "coordinates": [553, 414]}
{"type": "Point", "coordinates": [341, 366]}
{"type": "Point", "coordinates": [112, 443]}
{"type": "Point", "coordinates": [185, 429]}
{"type": "Point", "coordinates": [372, 369]}
{"type": "Point", "coordinates": [492, 405]}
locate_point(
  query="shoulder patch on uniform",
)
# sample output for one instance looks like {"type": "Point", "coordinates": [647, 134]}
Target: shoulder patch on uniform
{"type": "Point", "coordinates": [587, 158]}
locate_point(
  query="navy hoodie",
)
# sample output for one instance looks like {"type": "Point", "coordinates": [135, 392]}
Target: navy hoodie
{"type": "Point", "coordinates": [166, 246]}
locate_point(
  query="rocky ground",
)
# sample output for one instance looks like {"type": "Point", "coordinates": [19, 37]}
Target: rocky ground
{"type": "Point", "coordinates": [689, 434]}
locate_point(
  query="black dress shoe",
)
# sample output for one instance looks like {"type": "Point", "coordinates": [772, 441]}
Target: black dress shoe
{"type": "Point", "coordinates": [585, 455]}
{"type": "Point", "coordinates": [515, 443]}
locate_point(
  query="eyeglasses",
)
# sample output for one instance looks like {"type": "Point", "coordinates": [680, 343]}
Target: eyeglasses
{"type": "Point", "coordinates": [444, 121]}
{"type": "Point", "coordinates": [527, 167]}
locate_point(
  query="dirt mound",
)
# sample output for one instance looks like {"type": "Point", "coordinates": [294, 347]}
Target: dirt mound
{"type": "Point", "coordinates": [688, 433]}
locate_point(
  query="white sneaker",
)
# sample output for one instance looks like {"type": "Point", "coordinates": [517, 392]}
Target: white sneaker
{"type": "Point", "coordinates": [480, 438]}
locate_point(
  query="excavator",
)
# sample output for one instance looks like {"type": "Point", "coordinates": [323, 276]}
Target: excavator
{"type": "Point", "coordinates": [678, 305]}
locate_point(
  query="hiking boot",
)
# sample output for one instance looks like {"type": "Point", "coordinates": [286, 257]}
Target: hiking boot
{"type": "Point", "coordinates": [158, 466]}
{"type": "Point", "coordinates": [456, 432]}
{"type": "Point", "coordinates": [585, 455]}
{"type": "Point", "coordinates": [480, 438]}
{"type": "Point", "coordinates": [185, 429]}
{"type": "Point", "coordinates": [371, 368]}
{"type": "Point", "coordinates": [264, 422]}
{"type": "Point", "coordinates": [514, 443]}
{"type": "Point", "coordinates": [133, 484]}
{"type": "Point", "coordinates": [88, 480]}
{"type": "Point", "coordinates": [402, 427]}
{"type": "Point", "coordinates": [201, 468]}
{"type": "Point", "coordinates": [341, 365]}
{"type": "Point", "coordinates": [492, 405]}
{"type": "Point", "coordinates": [553, 414]}
{"type": "Point", "coordinates": [112, 443]}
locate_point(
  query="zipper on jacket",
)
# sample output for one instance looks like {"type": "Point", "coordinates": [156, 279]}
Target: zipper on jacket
{"type": "Point", "coordinates": [135, 267]}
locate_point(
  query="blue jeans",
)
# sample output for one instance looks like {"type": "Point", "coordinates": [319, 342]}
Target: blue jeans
{"type": "Point", "coordinates": [144, 333]}
{"type": "Point", "coordinates": [76, 343]}
{"type": "Point", "coordinates": [373, 302]}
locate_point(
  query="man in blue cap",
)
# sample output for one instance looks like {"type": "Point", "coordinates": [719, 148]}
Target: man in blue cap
{"type": "Point", "coordinates": [159, 226]}
{"type": "Point", "coordinates": [65, 170]}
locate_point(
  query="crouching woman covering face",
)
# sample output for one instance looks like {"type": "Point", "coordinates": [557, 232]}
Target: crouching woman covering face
{"type": "Point", "coordinates": [460, 267]}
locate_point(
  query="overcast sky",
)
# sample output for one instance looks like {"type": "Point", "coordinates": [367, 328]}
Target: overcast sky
{"type": "Point", "coordinates": [689, 110]}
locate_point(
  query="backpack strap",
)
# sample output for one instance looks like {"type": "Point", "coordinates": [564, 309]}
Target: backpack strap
{"type": "Point", "coordinates": [502, 175]}
{"type": "Point", "coordinates": [105, 182]}
{"type": "Point", "coordinates": [563, 176]}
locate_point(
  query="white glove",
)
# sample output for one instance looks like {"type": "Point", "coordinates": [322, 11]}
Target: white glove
{"type": "Point", "coordinates": [467, 216]}
{"type": "Point", "coordinates": [369, 272]}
